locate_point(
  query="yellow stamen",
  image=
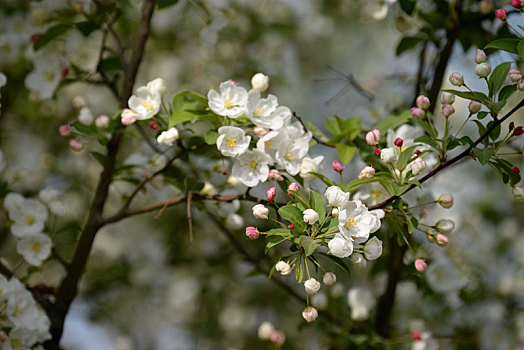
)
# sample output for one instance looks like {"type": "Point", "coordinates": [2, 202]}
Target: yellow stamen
{"type": "Point", "coordinates": [268, 143]}
{"type": "Point", "coordinates": [228, 104]}
{"type": "Point", "coordinates": [376, 196]}
{"type": "Point", "coordinates": [290, 156]}
{"type": "Point", "coordinates": [252, 164]}
{"type": "Point", "coordinates": [350, 223]}
{"type": "Point", "coordinates": [29, 219]}
{"type": "Point", "coordinates": [230, 142]}
{"type": "Point", "coordinates": [147, 104]}
{"type": "Point", "coordinates": [35, 246]}
{"type": "Point", "coordinates": [49, 75]}
{"type": "Point", "coordinates": [259, 111]}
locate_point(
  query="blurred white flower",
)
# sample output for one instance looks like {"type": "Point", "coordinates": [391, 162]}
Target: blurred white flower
{"type": "Point", "coordinates": [45, 77]}
{"type": "Point", "coordinates": [168, 137]}
{"type": "Point", "coordinates": [29, 216]}
{"type": "Point", "coordinates": [361, 301]}
{"type": "Point", "coordinates": [35, 248]}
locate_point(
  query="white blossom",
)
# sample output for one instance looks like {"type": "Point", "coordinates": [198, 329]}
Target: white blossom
{"type": "Point", "coordinates": [35, 248]}
{"type": "Point", "coordinates": [260, 211]}
{"type": "Point", "coordinates": [157, 86]}
{"type": "Point", "coordinates": [283, 267]}
{"type": "Point", "coordinates": [232, 141]}
{"type": "Point", "coordinates": [265, 329]}
{"type": "Point", "coordinates": [29, 217]}
{"type": "Point", "coordinates": [361, 301]}
{"type": "Point", "coordinates": [252, 167]}
{"type": "Point", "coordinates": [45, 77]}
{"type": "Point", "coordinates": [335, 196]}
{"type": "Point", "coordinates": [373, 248]}
{"type": "Point", "coordinates": [168, 137]}
{"type": "Point", "coordinates": [340, 246]}
{"type": "Point", "coordinates": [265, 111]}
{"type": "Point", "coordinates": [356, 221]}
{"type": "Point", "coordinates": [145, 104]}
{"type": "Point", "coordinates": [85, 116]}
{"type": "Point", "coordinates": [308, 166]}
{"type": "Point", "coordinates": [310, 216]}
{"type": "Point", "coordinates": [230, 102]}
{"type": "Point", "coordinates": [388, 155]}
{"type": "Point", "coordinates": [260, 82]}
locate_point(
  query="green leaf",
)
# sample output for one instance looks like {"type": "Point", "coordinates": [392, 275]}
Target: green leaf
{"type": "Point", "coordinates": [482, 115]}
{"type": "Point", "coordinates": [179, 116]}
{"type": "Point", "coordinates": [50, 34]}
{"type": "Point", "coordinates": [393, 121]}
{"type": "Point", "coordinates": [405, 156]}
{"type": "Point", "coordinates": [317, 204]}
{"type": "Point", "coordinates": [299, 273]}
{"type": "Point", "coordinates": [86, 27]}
{"type": "Point", "coordinates": [211, 137]}
{"type": "Point", "coordinates": [520, 49]}
{"type": "Point", "coordinates": [188, 100]}
{"type": "Point", "coordinates": [465, 140]}
{"type": "Point", "coordinates": [407, 43]}
{"type": "Point", "coordinates": [309, 244]}
{"type": "Point", "coordinates": [470, 95]}
{"type": "Point", "coordinates": [346, 152]}
{"type": "Point", "coordinates": [408, 6]}
{"type": "Point", "coordinates": [294, 215]}
{"type": "Point", "coordinates": [507, 91]}
{"type": "Point", "coordinates": [497, 106]}
{"type": "Point", "coordinates": [428, 141]}
{"type": "Point", "coordinates": [426, 126]}
{"type": "Point", "coordinates": [484, 154]}
{"type": "Point", "coordinates": [338, 261]}
{"type": "Point", "coordinates": [278, 232]}
{"type": "Point", "coordinates": [273, 242]}
{"type": "Point", "coordinates": [332, 126]}
{"type": "Point", "coordinates": [324, 179]}
{"type": "Point", "coordinates": [193, 184]}
{"type": "Point", "coordinates": [509, 45]}
{"type": "Point", "coordinates": [110, 64]}
{"type": "Point", "coordinates": [101, 158]}
{"type": "Point", "coordinates": [498, 77]}
{"type": "Point", "coordinates": [165, 3]}
{"type": "Point", "coordinates": [495, 133]}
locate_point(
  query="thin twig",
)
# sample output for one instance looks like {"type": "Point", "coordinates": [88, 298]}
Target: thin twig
{"type": "Point", "coordinates": [189, 220]}
{"type": "Point", "coordinates": [306, 131]}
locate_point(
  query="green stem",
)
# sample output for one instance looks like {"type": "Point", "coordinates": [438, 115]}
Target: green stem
{"type": "Point", "coordinates": [463, 124]}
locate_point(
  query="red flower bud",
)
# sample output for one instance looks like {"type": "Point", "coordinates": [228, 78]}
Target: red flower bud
{"type": "Point", "coordinates": [516, 4]}
{"type": "Point", "coordinates": [416, 336]}
{"type": "Point", "coordinates": [291, 226]}
{"type": "Point", "coordinates": [519, 130]}
{"type": "Point", "coordinates": [337, 166]}
{"type": "Point", "coordinates": [511, 126]}
{"type": "Point", "coordinates": [515, 170]}
{"type": "Point", "coordinates": [153, 125]}
{"type": "Point", "coordinates": [417, 152]}
{"type": "Point", "coordinates": [35, 38]}
{"type": "Point", "coordinates": [501, 14]}
{"type": "Point", "coordinates": [65, 72]}
{"type": "Point", "coordinates": [376, 151]}
{"type": "Point", "coordinates": [399, 142]}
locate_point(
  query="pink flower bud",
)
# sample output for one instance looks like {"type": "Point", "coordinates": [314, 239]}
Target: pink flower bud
{"type": "Point", "coordinates": [271, 193]}
{"type": "Point", "coordinates": [275, 175]}
{"type": "Point", "coordinates": [447, 110]}
{"type": "Point", "coordinates": [501, 14]}
{"type": "Point", "coordinates": [399, 142]}
{"type": "Point", "coordinates": [293, 187]}
{"type": "Point", "coordinates": [35, 38]}
{"type": "Point", "coordinates": [373, 137]}
{"type": "Point", "coordinates": [233, 81]}
{"type": "Point", "coordinates": [102, 122]}
{"type": "Point", "coordinates": [517, 4]}
{"type": "Point", "coordinates": [480, 56]}
{"type": "Point", "coordinates": [153, 125]}
{"type": "Point", "coordinates": [456, 79]}
{"type": "Point", "coordinates": [445, 200]}
{"type": "Point", "coordinates": [376, 151]}
{"type": "Point", "coordinates": [252, 232]}
{"type": "Point", "coordinates": [75, 144]}
{"type": "Point", "coordinates": [291, 226]}
{"type": "Point", "coordinates": [447, 97]}
{"type": "Point", "coordinates": [515, 75]}
{"type": "Point", "coordinates": [310, 314]}
{"type": "Point", "coordinates": [128, 117]}
{"type": "Point", "coordinates": [420, 265]}
{"type": "Point", "coordinates": [423, 102]}
{"type": "Point", "coordinates": [337, 166]}
{"type": "Point", "coordinates": [367, 173]}
{"type": "Point", "coordinates": [277, 337]}
{"type": "Point", "coordinates": [64, 130]}
{"type": "Point", "coordinates": [417, 113]}
{"type": "Point", "coordinates": [260, 131]}
{"type": "Point", "coordinates": [416, 336]}
{"type": "Point", "coordinates": [474, 107]}
{"type": "Point", "coordinates": [442, 240]}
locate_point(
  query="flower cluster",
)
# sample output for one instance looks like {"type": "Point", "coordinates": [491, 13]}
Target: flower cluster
{"type": "Point", "coordinates": [262, 136]}
{"type": "Point", "coordinates": [23, 324]}
{"type": "Point", "coordinates": [29, 217]}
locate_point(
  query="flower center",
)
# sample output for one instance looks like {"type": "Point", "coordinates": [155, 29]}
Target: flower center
{"type": "Point", "coordinates": [35, 246]}
{"type": "Point", "coordinates": [376, 195]}
{"type": "Point", "coordinates": [29, 219]}
{"type": "Point", "coordinates": [252, 164]}
{"type": "Point", "coordinates": [350, 223]}
{"type": "Point", "coordinates": [228, 103]}
{"type": "Point", "coordinates": [49, 75]}
{"type": "Point", "coordinates": [259, 111]}
{"type": "Point", "coordinates": [147, 104]}
{"type": "Point", "coordinates": [290, 156]}
{"type": "Point", "coordinates": [16, 344]}
{"type": "Point", "coordinates": [231, 142]}
{"type": "Point", "coordinates": [268, 143]}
